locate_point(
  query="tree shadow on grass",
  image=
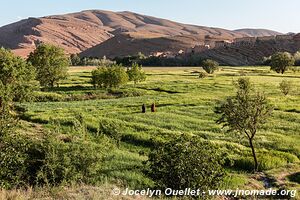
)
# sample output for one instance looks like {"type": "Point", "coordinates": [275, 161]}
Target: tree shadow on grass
{"type": "Point", "coordinates": [69, 89]}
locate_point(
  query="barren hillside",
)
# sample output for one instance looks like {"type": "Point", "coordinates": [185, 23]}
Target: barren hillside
{"type": "Point", "coordinates": [257, 32]}
{"type": "Point", "coordinates": [77, 32]}
{"type": "Point", "coordinates": [130, 44]}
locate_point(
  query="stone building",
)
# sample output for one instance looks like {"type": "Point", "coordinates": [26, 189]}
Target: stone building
{"type": "Point", "coordinates": [223, 43]}
{"type": "Point", "coordinates": [284, 37]}
{"type": "Point", "coordinates": [245, 41]}
{"type": "Point", "coordinates": [266, 38]}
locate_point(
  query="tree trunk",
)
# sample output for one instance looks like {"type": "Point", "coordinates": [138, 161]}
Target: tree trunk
{"type": "Point", "coordinates": [254, 155]}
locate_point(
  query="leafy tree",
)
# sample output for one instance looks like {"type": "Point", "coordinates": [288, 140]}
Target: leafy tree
{"type": "Point", "coordinates": [109, 77]}
{"type": "Point", "coordinates": [285, 87]}
{"type": "Point", "coordinates": [297, 58]}
{"type": "Point", "coordinates": [245, 112]}
{"type": "Point", "coordinates": [210, 66]}
{"type": "Point", "coordinates": [186, 162]}
{"type": "Point", "coordinates": [136, 73]}
{"type": "Point", "coordinates": [16, 77]}
{"type": "Point", "coordinates": [281, 61]}
{"type": "Point", "coordinates": [51, 64]}
{"type": "Point", "coordinates": [75, 60]}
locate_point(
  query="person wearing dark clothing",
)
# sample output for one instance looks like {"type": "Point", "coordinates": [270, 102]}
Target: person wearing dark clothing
{"type": "Point", "coordinates": [153, 108]}
{"type": "Point", "coordinates": [143, 108]}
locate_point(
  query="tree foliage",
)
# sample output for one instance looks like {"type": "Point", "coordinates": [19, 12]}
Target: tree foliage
{"type": "Point", "coordinates": [16, 77]}
{"type": "Point", "coordinates": [51, 64]}
{"type": "Point", "coordinates": [186, 162]}
{"type": "Point", "coordinates": [210, 66]}
{"type": "Point", "coordinates": [75, 60]}
{"type": "Point", "coordinates": [280, 62]}
{"type": "Point", "coordinates": [245, 112]}
{"type": "Point", "coordinates": [109, 77]}
{"type": "Point", "coordinates": [136, 73]}
{"type": "Point", "coordinates": [297, 58]}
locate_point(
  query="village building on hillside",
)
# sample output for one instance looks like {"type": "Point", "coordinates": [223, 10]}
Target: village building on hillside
{"type": "Point", "coordinates": [223, 43]}
{"type": "Point", "coordinates": [244, 41]}
{"type": "Point", "coordinates": [266, 38]}
{"type": "Point", "coordinates": [284, 37]}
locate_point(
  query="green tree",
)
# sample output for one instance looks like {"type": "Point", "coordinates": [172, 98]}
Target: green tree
{"type": "Point", "coordinates": [186, 162]}
{"type": "Point", "coordinates": [16, 77]}
{"type": "Point", "coordinates": [136, 73]}
{"type": "Point", "coordinates": [75, 60]}
{"type": "Point", "coordinates": [210, 66]}
{"type": "Point", "coordinates": [245, 112]}
{"type": "Point", "coordinates": [51, 64]}
{"type": "Point", "coordinates": [109, 77]}
{"type": "Point", "coordinates": [280, 62]}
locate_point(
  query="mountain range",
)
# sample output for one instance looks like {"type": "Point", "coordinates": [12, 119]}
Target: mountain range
{"type": "Point", "coordinates": [98, 33]}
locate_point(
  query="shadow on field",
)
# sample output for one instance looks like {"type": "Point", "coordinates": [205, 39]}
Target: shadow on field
{"type": "Point", "coordinates": [71, 88]}
{"type": "Point", "coordinates": [160, 106]}
{"type": "Point", "coordinates": [294, 177]}
{"type": "Point", "coordinates": [85, 76]}
{"type": "Point", "coordinates": [280, 76]}
{"type": "Point", "coordinates": [28, 118]}
{"type": "Point", "coordinates": [293, 111]}
{"type": "Point", "coordinates": [163, 90]}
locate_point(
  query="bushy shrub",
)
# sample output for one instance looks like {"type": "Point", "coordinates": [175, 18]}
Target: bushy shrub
{"type": "Point", "coordinates": [30, 162]}
{"type": "Point", "coordinates": [109, 77]}
{"type": "Point", "coordinates": [285, 87]}
{"type": "Point", "coordinates": [186, 162]}
{"type": "Point", "coordinates": [8, 119]}
{"type": "Point", "coordinates": [210, 66]}
{"type": "Point", "coordinates": [78, 161]}
{"type": "Point", "coordinates": [202, 75]}
{"type": "Point", "coordinates": [136, 73]}
{"type": "Point", "coordinates": [75, 60]}
{"type": "Point", "coordinates": [16, 77]}
{"type": "Point", "coordinates": [280, 62]}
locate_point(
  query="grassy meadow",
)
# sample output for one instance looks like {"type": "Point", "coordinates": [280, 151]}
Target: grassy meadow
{"type": "Point", "coordinates": [185, 104]}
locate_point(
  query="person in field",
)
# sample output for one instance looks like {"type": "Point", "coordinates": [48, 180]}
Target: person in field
{"type": "Point", "coordinates": [143, 108]}
{"type": "Point", "coordinates": [153, 108]}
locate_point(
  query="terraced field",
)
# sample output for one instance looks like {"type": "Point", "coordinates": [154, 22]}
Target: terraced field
{"type": "Point", "coordinates": [185, 104]}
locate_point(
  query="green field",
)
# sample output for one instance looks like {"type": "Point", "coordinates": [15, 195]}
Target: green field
{"type": "Point", "coordinates": [185, 104]}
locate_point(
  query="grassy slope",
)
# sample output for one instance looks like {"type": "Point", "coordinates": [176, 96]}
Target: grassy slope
{"type": "Point", "coordinates": [185, 104]}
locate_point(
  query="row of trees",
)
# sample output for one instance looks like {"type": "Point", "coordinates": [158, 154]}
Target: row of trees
{"type": "Point", "coordinates": [75, 60]}
{"type": "Point", "coordinates": [116, 75]}
{"type": "Point", "coordinates": [279, 62]}
{"type": "Point", "coordinates": [191, 60]}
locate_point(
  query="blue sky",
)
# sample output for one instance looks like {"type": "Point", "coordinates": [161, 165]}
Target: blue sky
{"type": "Point", "coordinates": [279, 15]}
